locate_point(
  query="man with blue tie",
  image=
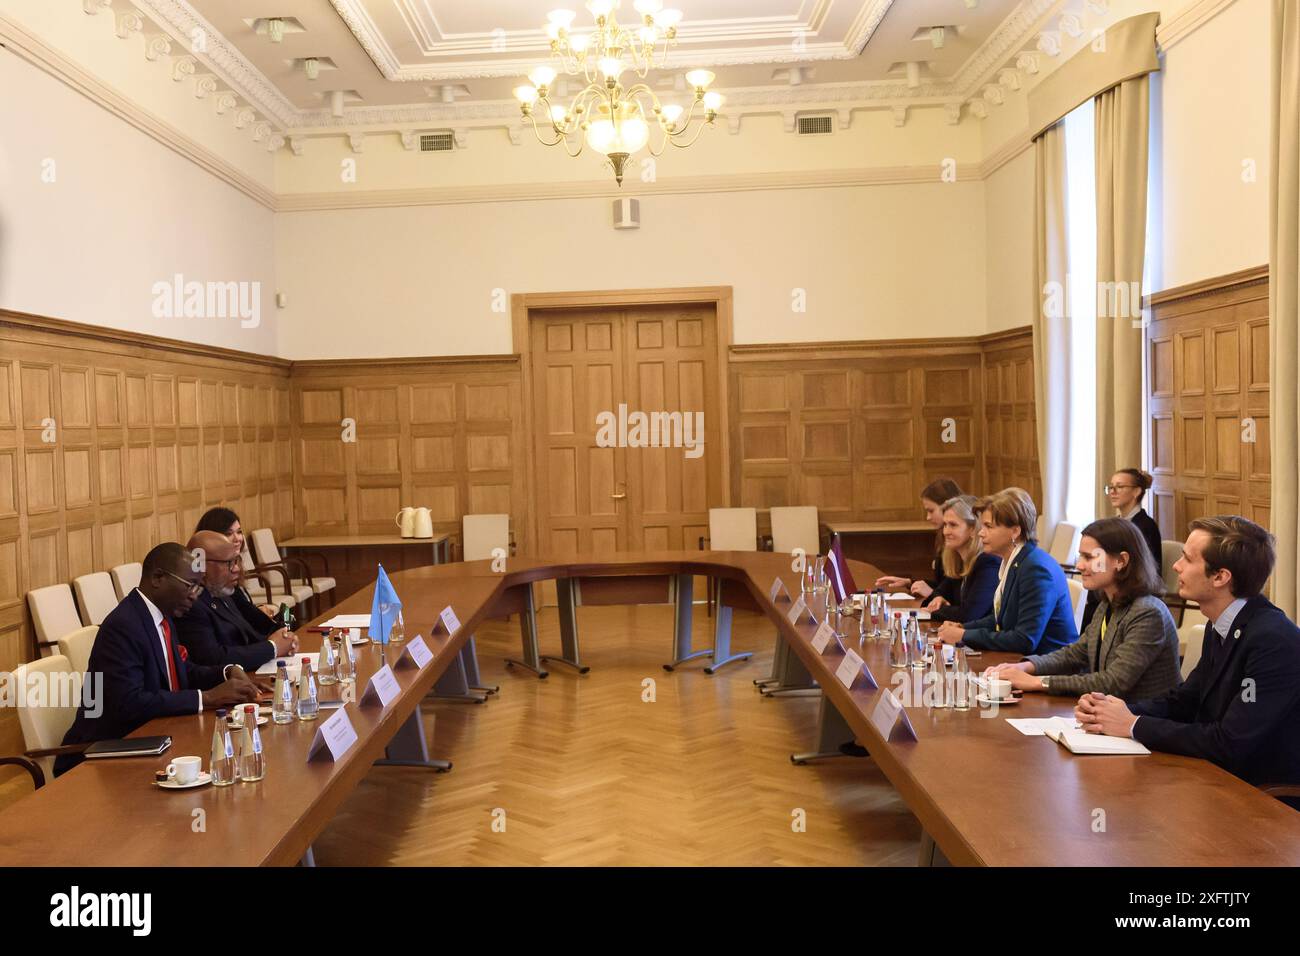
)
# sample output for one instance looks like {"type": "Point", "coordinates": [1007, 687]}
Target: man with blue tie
{"type": "Point", "coordinates": [1240, 706]}
{"type": "Point", "coordinates": [145, 675]}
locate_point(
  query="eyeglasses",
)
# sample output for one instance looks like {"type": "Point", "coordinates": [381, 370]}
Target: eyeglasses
{"type": "Point", "coordinates": [234, 564]}
{"type": "Point", "coordinates": [193, 587]}
{"type": "Point", "coordinates": [1109, 488]}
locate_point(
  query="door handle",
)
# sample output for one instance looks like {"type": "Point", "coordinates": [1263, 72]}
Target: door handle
{"type": "Point", "coordinates": [619, 497]}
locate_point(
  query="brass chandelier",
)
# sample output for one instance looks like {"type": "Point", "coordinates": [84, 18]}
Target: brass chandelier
{"type": "Point", "coordinates": [612, 119]}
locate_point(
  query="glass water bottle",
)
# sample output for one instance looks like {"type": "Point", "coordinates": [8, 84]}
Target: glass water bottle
{"type": "Point", "coordinates": [224, 769]}
{"type": "Point", "coordinates": [308, 702]}
{"type": "Point", "coordinates": [282, 705]}
{"type": "Point", "coordinates": [252, 761]}
{"type": "Point", "coordinates": [328, 661]}
{"type": "Point", "coordinates": [960, 680]}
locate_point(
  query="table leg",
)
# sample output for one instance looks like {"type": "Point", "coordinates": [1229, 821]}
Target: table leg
{"type": "Point", "coordinates": [930, 854]}
{"type": "Point", "coordinates": [408, 747]}
{"type": "Point", "coordinates": [469, 655]}
{"type": "Point", "coordinates": [566, 596]}
{"type": "Point", "coordinates": [831, 732]}
{"type": "Point", "coordinates": [683, 591]}
{"type": "Point", "coordinates": [528, 636]}
{"type": "Point", "coordinates": [789, 677]}
{"type": "Point", "coordinates": [722, 642]}
{"type": "Point", "coordinates": [453, 685]}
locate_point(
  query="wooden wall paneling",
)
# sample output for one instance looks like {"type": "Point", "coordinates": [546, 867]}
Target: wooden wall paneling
{"type": "Point", "coordinates": [1207, 400]}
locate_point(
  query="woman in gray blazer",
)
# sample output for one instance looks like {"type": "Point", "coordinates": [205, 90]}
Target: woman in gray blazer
{"type": "Point", "coordinates": [1130, 647]}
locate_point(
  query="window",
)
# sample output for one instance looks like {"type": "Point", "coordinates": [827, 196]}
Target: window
{"type": "Point", "coordinates": [1081, 251]}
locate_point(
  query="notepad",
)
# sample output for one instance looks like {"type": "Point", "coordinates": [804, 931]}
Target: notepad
{"type": "Point", "coordinates": [1067, 732]}
{"type": "Point", "coordinates": [293, 664]}
{"type": "Point", "coordinates": [131, 747]}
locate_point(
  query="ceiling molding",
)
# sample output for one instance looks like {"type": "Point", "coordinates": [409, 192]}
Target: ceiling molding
{"type": "Point", "coordinates": [595, 189]}
{"type": "Point", "coordinates": [1188, 20]}
{"type": "Point", "coordinates": [46, 58]}
{"type": "Point", "coordinates": [1005, 154]}
{"type": "Point", "coordinates": [1021, 25]}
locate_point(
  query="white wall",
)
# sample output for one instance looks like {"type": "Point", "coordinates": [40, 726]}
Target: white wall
{"type": "Point", "coordinates": [875, 261]}
{"type": "Point", "coordinates": [123, 213]}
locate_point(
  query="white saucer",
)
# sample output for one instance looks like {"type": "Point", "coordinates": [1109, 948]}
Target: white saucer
{"type": "Point", "coordinates": [1003, 702]}
{"type": "Point", "coordinates": [262, 721]}
{"type": "Point", "coordinates": [360, 640]}
{"type": "Point", "coordinates": [203, 778]}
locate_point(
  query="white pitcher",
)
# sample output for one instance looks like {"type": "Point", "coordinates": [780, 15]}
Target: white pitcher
{"type": "Point", "coordinates": [423, 524]}
{"type": "Point", "coordinates": [406, 522]}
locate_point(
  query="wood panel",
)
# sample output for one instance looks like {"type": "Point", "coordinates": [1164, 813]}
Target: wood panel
{"type": "Point", "coordinates": [100, 456]}
{"type": "Point", "coordinates": [858, 428]}
{"type": "Point", "coordinates": [1207, 401]}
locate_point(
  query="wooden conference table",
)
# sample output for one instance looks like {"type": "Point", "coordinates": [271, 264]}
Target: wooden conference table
{"type": "Point", "coordinates": [983, 792]}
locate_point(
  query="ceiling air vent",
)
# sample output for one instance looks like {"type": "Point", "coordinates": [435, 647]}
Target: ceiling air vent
{"type": "Point", "coordinates": [815, 125]}
{"type": "Point", "coordinates": [436, 142]}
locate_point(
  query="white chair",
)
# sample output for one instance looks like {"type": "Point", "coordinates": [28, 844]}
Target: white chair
{"type": "Point", "coordinates": [95, 596]}
{"type": "Point", "coordinates": [76, 647]}
{"type": "Point", "coordinates": [271, 585]}
{"type": "Point", "coordinates": [1170, 552]}
{"type": "Point", "coordinates": [126, 578]}
{"type": "Point", "coordinates": [733, 529]}
{"type": "Point", "coordinates": [1041, 527]}
{"type": "Point", "coordinates": [54, 614]}
{"type": "Point", "coordinates": [796, 527]}
{"type": "Point", "coordinates": [481, 534]}
{"type": "Point", "coordinates": [1078, 597]}
{"type": "Point", "coordinates": [1065, 543]}
{"type": "Point", "coordinates": [268, 556]}
{"type": "Point", "coordinates": [1191, 635]}
{"type": "Point", "coordinates": [43, 726]}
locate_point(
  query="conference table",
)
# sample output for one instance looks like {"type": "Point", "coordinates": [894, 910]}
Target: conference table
{"type": "Point", "coordinates": [985, 794]}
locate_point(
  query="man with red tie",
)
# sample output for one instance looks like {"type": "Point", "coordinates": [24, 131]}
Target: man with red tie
{"type": "Point", "coordinates": [144, 672]}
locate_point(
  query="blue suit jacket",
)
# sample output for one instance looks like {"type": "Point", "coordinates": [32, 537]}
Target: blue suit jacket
{"type": "Point", "coordinates": [1036, 614]}
{"type": "Point", "coordinates": [215, 631]}
{"type": "Point", "coordinates": [135, 690]}
{"type": "Point", "coordinates": [1240, 705]}
{"type": "Point", "coordinates": [975, 597]}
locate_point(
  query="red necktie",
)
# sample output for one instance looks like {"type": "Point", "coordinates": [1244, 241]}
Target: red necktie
{"type": "Point", "coordinates": [167, 652]}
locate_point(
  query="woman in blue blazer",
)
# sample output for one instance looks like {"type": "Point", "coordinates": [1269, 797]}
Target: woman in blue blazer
{"type": "Point", "coordinates": [1032, 612]}
{"type": "Point", "coordinates": [974, 573]}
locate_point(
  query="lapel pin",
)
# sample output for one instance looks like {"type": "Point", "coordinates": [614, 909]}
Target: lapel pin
{"type": "Point", "coordinates": [1236, 634]}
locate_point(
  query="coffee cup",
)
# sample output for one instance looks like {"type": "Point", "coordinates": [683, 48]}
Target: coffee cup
{"type": "Point", "coordinates": [184, 770]}
{"type": "Point", "coordinates": [999, 689]}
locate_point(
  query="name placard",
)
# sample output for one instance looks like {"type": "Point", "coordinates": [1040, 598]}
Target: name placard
{"type": "Point", "coordinates": [416, 654]}
{"type": "Point", "coordinates": [822, 639]}
{"type": "Point", "coordinates": [799, 612]}
{"type": "Point", "coordinates": [334, 736]}
{"type": "Point", "coordinates": [382, 688]}
{"type": "Point", "coordinates": [853, 672]}
{"type": "Point", "coordinates": [890, 719]}
{"type": "Point", "coordinates": [778, 594]}
{"type": "Point", "coordinates": [448, 622]}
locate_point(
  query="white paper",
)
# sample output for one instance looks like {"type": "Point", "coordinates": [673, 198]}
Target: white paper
{"type": "Point", "coordinates": [348, 620]}
{"type": "Point", "coordinates": [900, 596]}
{"type": "Point", "coordinates": [822, 639]}
{"type": "Point", "coordinates": [336, 734]}
{"type": "Point", "coordinates": [850, 668]}
{"type": "Point", "coordinates": [923, 615]}
{"type": "Point", "coordinates": [382, 687]}
{"type": "Point", "coordinates": [1081, 742]}
{"type": "Point", "coordinates": [1038, 726]}
{"type": "Point", "coordinates": [293, 664]}
{"type": "Point", "coordinates": [797, 611]}
{"type": "Point", "coordinates": [448, 622]}
{"type": "Point", "coordinates": [885, 714]}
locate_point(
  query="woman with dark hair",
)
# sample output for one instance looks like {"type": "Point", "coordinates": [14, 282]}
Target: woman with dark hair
{"type": "Point", "coordinates": [933, 497]}
{"type": "Point", "coordinates": [1130, 648]}
{"type": "Point", "coordinates": [1127, 488]}
{"type": "Point", "coordinates": [224, 521]}
{"type": "Point", "coordinates": [965, 562]}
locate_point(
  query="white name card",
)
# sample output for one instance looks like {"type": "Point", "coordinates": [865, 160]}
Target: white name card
{"type": "Point", "coordinates": [852, 671]}
{"type": "Point", "coordinates": [416, 654]}
{"type": "Point", "coordinates": [822, 639]}
{"type": "Point", "coordinates": [382, 688]}
{"type": "Point", "coordinates": [778, 593]}
{"type": "Point", "coordinates": [799, 611]}
{"type": "Point", "coordinates": [334, 736]}
{"type": "Point", "coordinates": [448, 622]}
{"type": "Point", "coordinates": [890, 719]}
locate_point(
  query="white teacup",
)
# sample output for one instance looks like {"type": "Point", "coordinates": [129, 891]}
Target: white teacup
{"type": "Point", "coordinates": [999, 688]}
{"type": "Point", "coordinates": [184, 769]}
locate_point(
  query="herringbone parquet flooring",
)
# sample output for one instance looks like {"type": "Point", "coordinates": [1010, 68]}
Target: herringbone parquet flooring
{"type": "Point", "coordinates": [582, 772]}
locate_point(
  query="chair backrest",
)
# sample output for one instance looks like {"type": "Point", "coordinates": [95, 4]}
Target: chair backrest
{"type": "Point", "coordinates": [54, 614]}
{"type": "Point", "coordinates": [796, 527]}
{"type": "Point", "coordinates": [1079, 598]}
{"type": "Point", "coordinates": [1170, 551]}
{"type": "Point", "coordinates": [1065, 542]}
{"type": "Point", "coordinates": [95, 596]}
{"type": "Point", "coordinates": [76, 647]}
{"type": "Point", "coordinates": [46, 683]}
{"type": "Point", "coordinates": [1041, 527]}
{"type": "Point", "coordinates": [733, 529]}
{"type": "Point", "coordinates": [126, 578]}
{"type": "Point", "coordinates": [1191, 634]}
{"type": "Point", "coordinates": [481, 533]}
{"type": "Point", "coordinates": [264, 548]}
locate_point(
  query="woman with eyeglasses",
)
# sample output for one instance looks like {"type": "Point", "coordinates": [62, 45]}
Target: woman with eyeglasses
{"type": "Point", "coordinates": [1126, 489]}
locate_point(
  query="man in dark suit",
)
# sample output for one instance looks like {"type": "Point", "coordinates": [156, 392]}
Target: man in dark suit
{"type": "Point", "coordinates": [145, 675]}
{"type": "Point", "coordinates": [220, 630]}
{"type": "Point", "coordinates": [1240, 706]}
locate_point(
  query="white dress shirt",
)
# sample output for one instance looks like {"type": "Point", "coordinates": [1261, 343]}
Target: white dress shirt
{"type": "Point", "coordinates": [157, 616]}
{"type": "Point", "coordinates": [1223, 623]}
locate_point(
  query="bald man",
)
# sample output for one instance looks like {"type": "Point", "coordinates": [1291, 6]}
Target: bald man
{"type": "Point", "coordinates": [219, 629]}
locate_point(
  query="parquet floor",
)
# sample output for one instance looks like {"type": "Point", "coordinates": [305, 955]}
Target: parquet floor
{"type": "Point", "coordinates": [579, 770]}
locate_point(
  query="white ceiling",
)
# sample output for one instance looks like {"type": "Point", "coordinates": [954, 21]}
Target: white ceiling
{"type": "Point", "coordinates": [399, 56]}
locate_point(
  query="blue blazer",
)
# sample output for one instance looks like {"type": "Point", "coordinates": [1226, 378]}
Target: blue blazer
{"type": "Point", "coordinates": [975, 598]}
{"type": "Point", "coordinates": [1036, 614]}
{"type": "Point", "coordinates": [216, 631]}
{"type": "Point", "coordinates": [1240, 706]}
{"type": "Point", "coordinates": [135, 689]}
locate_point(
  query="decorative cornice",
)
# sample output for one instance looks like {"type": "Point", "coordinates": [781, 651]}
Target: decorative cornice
{"type": "Point", "coordinates": [1011, 35]}
{"type": "Point", "coordinates": [1005, 154]}
{"type": "Point", "coordinates": [18, 41]}
{"type": "Point", "coordinates": [1188, 20]}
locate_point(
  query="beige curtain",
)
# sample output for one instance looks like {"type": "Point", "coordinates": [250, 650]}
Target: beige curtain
{"type": "Point", "coordinates": [1121, 125]}
{"type": "Point", "coordinates": [1051, 330]}
{"type": "Point", "coordinates": [1284, 301]}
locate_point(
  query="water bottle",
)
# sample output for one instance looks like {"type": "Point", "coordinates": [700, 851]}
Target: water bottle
{"type": "Point", "coordinates": [863, 630]}
{"type": "Point", "coordinates": [347, 659]}
{"type": "Point", "coordinates": [936, 679]}
{"type": "Point", "coordinates": [308, 704]}
{"type": "Point", "coordinates": [285, 616]}
{"type": "Point", "coordinates": [329, 661]}
{"type": "Point", "coordinates": [224, 769]}
{"type": "Point", "coordinates": [961, 681]}
{"type": "Point", "coordinates": [822, 582]}
{"type": "Point", "coordinates": [282, 705]}
{"type": "Point", "coordinates": [896, 625]}
{"type": "Point", "coordinates": [919, 646]}
{"type": "Point", "coordinates": [808, 582]}
{"type": "Point", "coordinates": [877, 607]}
{"type": "Point", "coordinates": [398, 633]}
{"type": "Point", "coordinates": [252, 762]}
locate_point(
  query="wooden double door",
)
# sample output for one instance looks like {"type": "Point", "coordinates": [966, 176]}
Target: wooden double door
{"type": "Point", "coordinates": [602, 487]}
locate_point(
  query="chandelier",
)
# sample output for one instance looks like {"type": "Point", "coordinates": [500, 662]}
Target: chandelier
{"type": "Point", "coordinates": [612, 119]}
